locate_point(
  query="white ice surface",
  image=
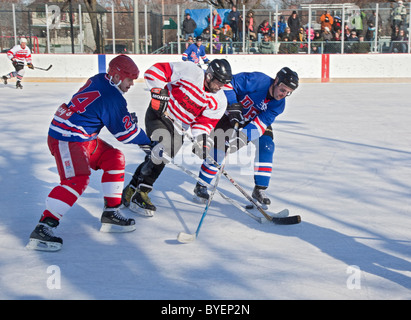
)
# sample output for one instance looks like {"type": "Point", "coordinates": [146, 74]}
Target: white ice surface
{"type": "Point", "coordinates": [342, 162]}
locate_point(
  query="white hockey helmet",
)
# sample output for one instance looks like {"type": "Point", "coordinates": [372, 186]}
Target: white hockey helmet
{"type": "Point", "coordinates": [23, 40]}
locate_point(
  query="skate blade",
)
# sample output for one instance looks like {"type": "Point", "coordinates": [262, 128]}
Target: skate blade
{"type": "Point", "coordinates": [199, 200]}
{"type": "Point", "coordinates": [141, 211]}
{"type": "Point", "coordinates": [35, 244]}
{"type": "Point", "coordinates": [109, 227]}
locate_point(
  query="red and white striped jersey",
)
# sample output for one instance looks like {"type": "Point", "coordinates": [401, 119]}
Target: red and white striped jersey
{"type": "Point", "coordinates": [20, 54]}
{"type": "Point", "coordinates": [189, 105]}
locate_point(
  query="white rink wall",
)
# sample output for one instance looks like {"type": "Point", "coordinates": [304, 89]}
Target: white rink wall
{"type": "Point", "coordinates": [334, 67]}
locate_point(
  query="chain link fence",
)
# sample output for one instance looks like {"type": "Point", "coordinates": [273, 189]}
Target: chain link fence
{"type": "Point", "coordinates": [313, 29]}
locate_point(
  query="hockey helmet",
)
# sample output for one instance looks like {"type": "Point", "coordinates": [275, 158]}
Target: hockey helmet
{"type": "Point", "coordinates": [23, 40]}
{"type": "Point", "coordinates": [220, 69]}
{"type": "Point", "coordinates": [288, 77]}
{"type": "Point", "coordinates": [124, 66]}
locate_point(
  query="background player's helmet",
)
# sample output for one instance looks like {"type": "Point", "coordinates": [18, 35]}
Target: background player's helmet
{"type": "Point", "coordinates": [124, 66]}
{"type": "Point", "coordinates": [220, 69]}
{"type": "Point", "coordinates": [288, 77]}
{"type": "Point", "coordinates": [23, 40]}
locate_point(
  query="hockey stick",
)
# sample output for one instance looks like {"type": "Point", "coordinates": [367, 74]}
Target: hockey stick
{"type": "Point", "coordinates": [282, 213]}
{"type": "Point", "coordinates": [276, 220]}
{"type": "Point", "coordinates": [43, 69]}
{"type": "Point", "coordinates": [190, 237]}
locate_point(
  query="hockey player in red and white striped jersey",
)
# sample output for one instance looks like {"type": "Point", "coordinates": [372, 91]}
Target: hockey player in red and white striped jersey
{"type": "Point", "coordinates": [18, 55]}
{"type": "Point", "coordinates": [182, 93]}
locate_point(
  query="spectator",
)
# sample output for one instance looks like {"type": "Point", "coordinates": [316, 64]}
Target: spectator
{"type": "Point", "coordinates": [286, 33]}
{"type": "Point", "coordinates": [293, 46]}
{"type": "Point", "coordinates": [234, 19]}
{"type": "Point", "coordinates": [353, 37]}
{"type": "Point", "coordinates": [318, 41]}
{"type": "Point", "coordinates": [283, 49]}
{"type": "Point", "coordinates": [337, 36]}
{"type": "Point", "coordinates": [361, 46]}
{"type": "Point", "coordinates": [398, 15]}
{"type": "Point", "coordinates": [216, 20]}
{"type": "Point", "coordinates": [281, 27]}
{"type": "Point", "coordinates": [240, 27]}
{"type": "Point", "coordinates": [226, 33]}
{"type": "Point", "coordinates": [370, 34]}
{"type": "Point", "coordinates": [217, 46]}
{"type": "Point", "coordinates": [249, 25]}
{"type": "Point", "coordinates": [263, 28]}
{"type": "Point", "coordinates": [206, 34]}
{"type": "Point", "coordinates": [327, 35]}
{"type": "Point", "coordinates": [398, 41]}
{"type": "Point", "coordinates": [309, 33]}
{"type": "Point", "coordinates": [315, 48]}
{"type": "Point", "coordinates": [189, 25]}
{"type": "Point", "coordinates": [337, 25]}
{"type": "Point", "coordinates": [347, 32]}
{"type": "Point", "coordinates": [357, 22]}
{"type": "Point", "coordinates": [326, 21]}
{"type": "Point", "coordinates": [294, 23]}
{"type": "Point", "coordinates": [373, 20]}
{"type": "Point", "coordinates": [189, 41]}
{"type": "Point", "coordinates": [266, 46]}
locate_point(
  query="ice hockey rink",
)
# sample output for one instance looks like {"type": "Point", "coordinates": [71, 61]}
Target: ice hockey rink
{"type": "Point", "coordinates": [342, 162]}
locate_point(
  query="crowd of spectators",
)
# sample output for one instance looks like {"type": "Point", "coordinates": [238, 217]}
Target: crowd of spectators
{"type": "Point", "coordinates": [358, 34]}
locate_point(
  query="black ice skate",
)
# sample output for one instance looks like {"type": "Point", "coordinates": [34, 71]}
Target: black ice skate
{"type": "Point", "coordinates": [4, 79]}
{"type": "Point", "coordinates": [141, 203]}
{"type": "Point", "coordinates": [200, 193]}
{"type": "Point", "coordinates": [18, 85]}
{"type": "Point", "coordinates": [127, 194]}
{"type": "Point", "coordinates": [113, 221]}
{"type": "Point", "coordinates": [42, 238]}
{"type": "Point", "coordinates": [260, 196]}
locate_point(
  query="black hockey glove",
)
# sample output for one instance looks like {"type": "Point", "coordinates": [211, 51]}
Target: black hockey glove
{"type": "Point", "coordinates": [235, 114]}
{"type": "Point", "coordinates": [239, 141]}
{"type": "Point", "coordinates": [159, 100]}
{"type": "Point", "coordinates": [203, 146]}
{"type": "Point", "coordinates": [30, 65]}
{"type": "Point", "coordinates": [134, 117]}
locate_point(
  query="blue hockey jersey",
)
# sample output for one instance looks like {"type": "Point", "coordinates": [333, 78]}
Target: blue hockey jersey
{"type": "Point", "coordinates": [193, 53]}
{"type": "Point", "coordinates": [259, 108]}
{"type": "Point", "coordinates": [96, 105]}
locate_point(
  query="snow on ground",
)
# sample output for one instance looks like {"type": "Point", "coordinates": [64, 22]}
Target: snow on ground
{"type": "Point", "coordinates": [342, 162]}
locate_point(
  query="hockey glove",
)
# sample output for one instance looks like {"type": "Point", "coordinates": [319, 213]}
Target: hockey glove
{"type": "Point", "coordinates": [30, 65]}
{"type": "Point", "coordinates": [159, 100]}
{"type": "Point", "coordinates": [235, 114]}
{"type": "Point", "coordinates": [134, 117]}
{"type": "Point", "coordinates": [203, 146]}
{"type": "Point", "coordinates": [239, 141]}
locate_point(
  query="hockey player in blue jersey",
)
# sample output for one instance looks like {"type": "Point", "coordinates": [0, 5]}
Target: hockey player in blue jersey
{"type": "Point", "coordinates": [73, 141]}
{"type": "Point", "coordinates": [196, 51]}
{"type": "Point", "coordinates": [254, 101]}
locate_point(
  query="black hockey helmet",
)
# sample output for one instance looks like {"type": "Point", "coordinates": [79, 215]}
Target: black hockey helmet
{"type": "Point", "coordinates": [288, 77]}
{"type": "Point", "coordinates": [220, 69]}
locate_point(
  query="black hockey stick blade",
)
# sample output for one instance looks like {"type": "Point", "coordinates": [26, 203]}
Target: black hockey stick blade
{"type": "Point", "coordinates": [44, 68]}
{"type": "Point", "coordinates": [286, 220]}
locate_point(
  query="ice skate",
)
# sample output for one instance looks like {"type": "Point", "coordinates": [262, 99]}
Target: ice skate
{"type": "Point", "coordinates": [113, 221]}
{"type": "Point", "coordinates": [140, 203]}
{"type": "Point", "coordinates": [18, 85]}
{"type": "Point", "coordinates": [4, 79]}
{"type": "Point", "coordinates": [200, 193]}
{"type": "Point", "coordinates": [260, 196]}
{"type": "Point", "coordinates": [42, 237]}
{"type": "Point", "coordinates": [127, 194]}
